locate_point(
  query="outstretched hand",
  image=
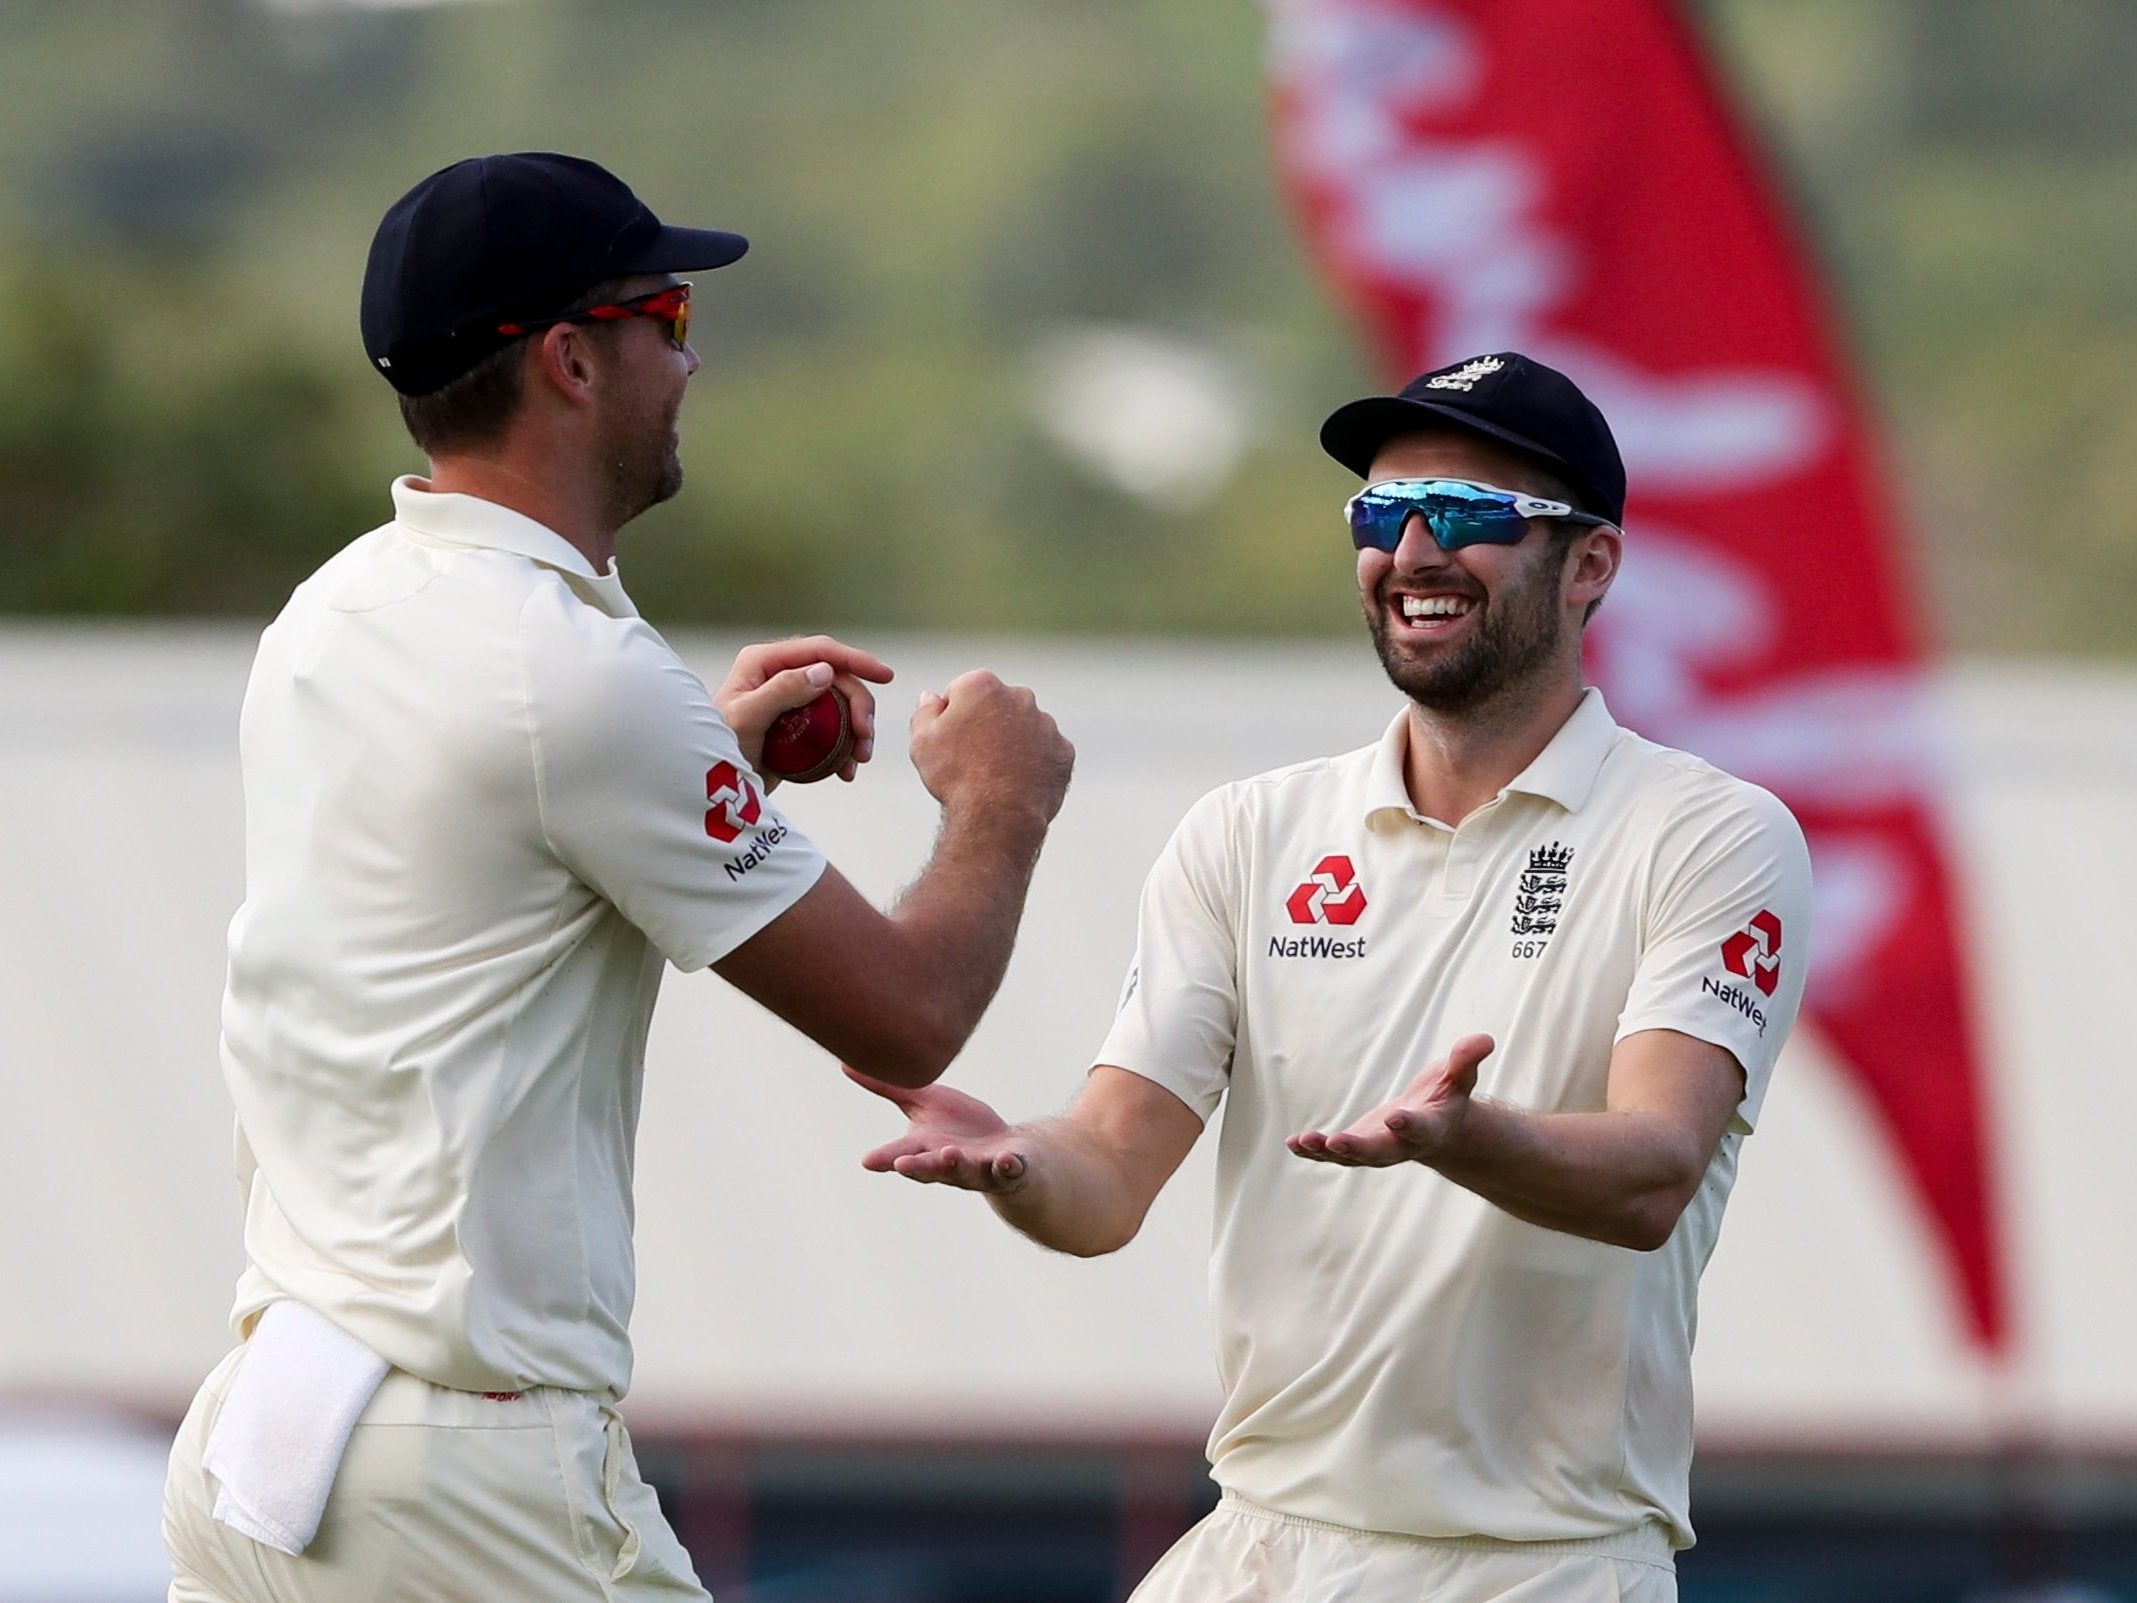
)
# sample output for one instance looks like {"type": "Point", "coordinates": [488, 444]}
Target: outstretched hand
{"type": "Point", "coordinates": [953, 1140]}
{"type": "Point", "coordinates": [1422, 1122]}
{"type": "Point", "coordinates": [779, 675]}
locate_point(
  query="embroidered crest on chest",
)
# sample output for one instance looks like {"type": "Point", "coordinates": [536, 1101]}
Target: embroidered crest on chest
{"type": "Point", "coordinates": [1539, 897]}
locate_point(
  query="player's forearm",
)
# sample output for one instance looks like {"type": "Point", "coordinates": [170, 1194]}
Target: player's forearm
{"type": "Point", "coordinates": [959, 919]}
{"type": "Point", "coordinates": [1074, 1197]}
{"type": "Point", "coordinates": [1619, 1177]}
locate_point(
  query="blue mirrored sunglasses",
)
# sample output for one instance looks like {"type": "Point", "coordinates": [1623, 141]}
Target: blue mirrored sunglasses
{"type": "Point", "coordinates": [1456, 512]}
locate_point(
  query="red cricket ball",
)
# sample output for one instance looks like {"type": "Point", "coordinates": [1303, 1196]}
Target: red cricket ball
{"type": "Point", "coordinates": [811, 742]}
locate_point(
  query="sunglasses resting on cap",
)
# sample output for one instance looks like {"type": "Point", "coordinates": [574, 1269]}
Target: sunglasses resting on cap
{"type": "Point", "coordinates": [1457, 512]}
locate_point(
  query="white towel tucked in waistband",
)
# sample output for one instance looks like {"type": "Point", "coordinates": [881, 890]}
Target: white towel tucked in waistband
{"type": "Point", "coordinates": [277, 1444]}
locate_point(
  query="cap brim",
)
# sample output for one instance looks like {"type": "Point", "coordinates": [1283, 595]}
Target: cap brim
{"type": "Point", "coordinates": [684, 250]}
{"type": "Point", "coordinates": [1354, 434]}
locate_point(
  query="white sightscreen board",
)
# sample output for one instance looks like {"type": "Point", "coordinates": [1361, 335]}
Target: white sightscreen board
{"type": "Point", "coordinates": [782, 1287]}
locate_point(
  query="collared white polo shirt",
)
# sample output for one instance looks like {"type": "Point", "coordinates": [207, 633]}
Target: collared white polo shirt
{"type": "Point", "coordinates": [483, 801]}
{"type": "Point", "coordinates": [1396, 1353]}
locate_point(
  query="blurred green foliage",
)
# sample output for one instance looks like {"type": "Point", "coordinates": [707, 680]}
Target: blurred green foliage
{"type": "Point", "coordinates": [187, 424]}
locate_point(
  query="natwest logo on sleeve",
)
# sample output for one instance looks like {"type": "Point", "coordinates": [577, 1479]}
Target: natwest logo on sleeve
{"type": "Point", "coordinates": [735, 802]}
{"type": "Point", "coordinates": [1755, 952]}
{"type": "Point", "coordinates": [1330, 895]}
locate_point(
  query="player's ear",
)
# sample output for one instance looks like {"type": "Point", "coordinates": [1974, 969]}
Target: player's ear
{"type": "Point", "coordinates": [563, 361]}
{"type": "Point", "coordinates": [1593, 565]}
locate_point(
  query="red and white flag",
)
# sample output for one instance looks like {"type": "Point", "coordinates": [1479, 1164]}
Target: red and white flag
{"type": "Point", "coordinates": [1559, 177]}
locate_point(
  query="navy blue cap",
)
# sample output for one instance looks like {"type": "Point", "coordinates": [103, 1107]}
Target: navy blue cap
{"type": "Point", "coordinates": [507, 239]}
{"type": "Point", "coordinates": [1508, 396]}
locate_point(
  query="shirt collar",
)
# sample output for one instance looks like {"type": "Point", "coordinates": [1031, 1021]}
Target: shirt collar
{"type": "Point", "coordinates": [470, 520]}
{"type": "Point", "coordinates": [1563, 772]}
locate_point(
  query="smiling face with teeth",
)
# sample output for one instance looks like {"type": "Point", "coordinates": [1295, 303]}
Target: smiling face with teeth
{"type": "Point", "coordinates": [1459, 630]}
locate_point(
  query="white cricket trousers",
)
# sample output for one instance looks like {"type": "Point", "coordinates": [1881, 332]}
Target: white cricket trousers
{"type": "Point", "coordinates": [444, 1497]}
{"type": "Point", "coordinates": [1243, 1553]}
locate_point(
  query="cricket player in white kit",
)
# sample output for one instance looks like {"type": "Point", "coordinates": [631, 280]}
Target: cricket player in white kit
{"type": "Point", "coordinates": [485, 805]}
{"type": "Point", "coordinates": [1491, 1005]}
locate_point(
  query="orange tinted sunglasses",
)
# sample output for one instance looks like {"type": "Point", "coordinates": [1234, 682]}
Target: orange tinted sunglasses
{"type": "Point", "coordinates": [670, 306]}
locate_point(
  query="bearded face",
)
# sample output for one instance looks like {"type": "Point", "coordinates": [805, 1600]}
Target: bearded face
{"type": "Point", "coordinates": [640, 447]}
{"type": "Point", "coordinates": [1451, 642]}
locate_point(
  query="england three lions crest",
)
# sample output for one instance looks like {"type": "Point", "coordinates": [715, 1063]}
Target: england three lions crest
{"type": "Point", "coordinates": [1540, 897]}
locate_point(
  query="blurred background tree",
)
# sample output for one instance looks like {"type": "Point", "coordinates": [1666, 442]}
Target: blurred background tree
{"type": "Point", "coordinates": [1026, 342]}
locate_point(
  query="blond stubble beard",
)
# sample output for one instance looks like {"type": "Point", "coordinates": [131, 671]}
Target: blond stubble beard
{"type": "Point", "coordinates": [642, 466]}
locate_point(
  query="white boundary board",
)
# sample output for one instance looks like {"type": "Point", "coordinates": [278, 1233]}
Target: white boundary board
{"type": "Point", "coordinates": [784, 1289]}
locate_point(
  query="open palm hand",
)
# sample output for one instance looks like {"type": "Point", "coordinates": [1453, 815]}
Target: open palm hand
{"type": "Point", "coordinates": [1424, 1120]}
{"type": "Point", "coordinates": [953, 1139]}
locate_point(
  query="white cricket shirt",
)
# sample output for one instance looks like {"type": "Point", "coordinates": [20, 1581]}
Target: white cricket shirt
{"type": "Point", "coordinates": [1396, 1353]}
{"type": "Point", "coordinates": [483, 801]}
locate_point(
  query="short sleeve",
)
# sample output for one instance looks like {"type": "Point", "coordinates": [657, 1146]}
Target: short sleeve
{"type": "Point", "coordinates": [1179, 1009]}
{"type": "Point", "coordinates": [644, 793]}
{"type": "Point", "coordinates": [1725, 937]}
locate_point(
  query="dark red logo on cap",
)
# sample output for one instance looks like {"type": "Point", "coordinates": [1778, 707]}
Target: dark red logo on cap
{"type": "Point", "coordinates": [735, 802]}
{"type": "Point", "coordinates": [1755, 952]}
{"type": "Point", "coordinates": [1331, 894]}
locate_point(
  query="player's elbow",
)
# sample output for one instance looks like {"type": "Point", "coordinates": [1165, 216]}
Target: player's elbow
{"type": "Point", "coordinates": [902, 1060]}
{"type": "Point", "coordinates": [1104, 1235]}
{"type": "Point", "coordinates": [1648, 1224]}
{"type": "Point", "coordinates": [1083, 1237]}
{"type": "Point", "coordinates": [1112, 1219]}
{"type": "Point", "coordinates": [1649, 1219]}
{"type": "Point", "coordinates": [1094, 1248]}
{"type": "Point", "coordinates": [1660, 1186]}
{"type": "Point", "coordinates": [909, 1045]}
{"type": "Point", "coordinates": [1085, 1219]}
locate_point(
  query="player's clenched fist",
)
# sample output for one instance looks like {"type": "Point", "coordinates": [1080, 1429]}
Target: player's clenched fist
{"type": "Point", "coordinates": [986, 744]}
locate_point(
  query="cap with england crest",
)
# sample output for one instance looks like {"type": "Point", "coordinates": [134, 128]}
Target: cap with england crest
{"type": "Point", "coordinates": [1507, 396]}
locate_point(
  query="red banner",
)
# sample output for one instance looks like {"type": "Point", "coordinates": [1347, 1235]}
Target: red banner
{"type": "Point", "coordinates": [1559, 177]}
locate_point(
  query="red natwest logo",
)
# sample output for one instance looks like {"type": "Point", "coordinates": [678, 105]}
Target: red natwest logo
{"type": "Point", "coordinates": [1331, 895]}
{"type": "Point", "coordinates": [735, 802]}
{"type": "Point", "coordinates": [1755, 952]}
